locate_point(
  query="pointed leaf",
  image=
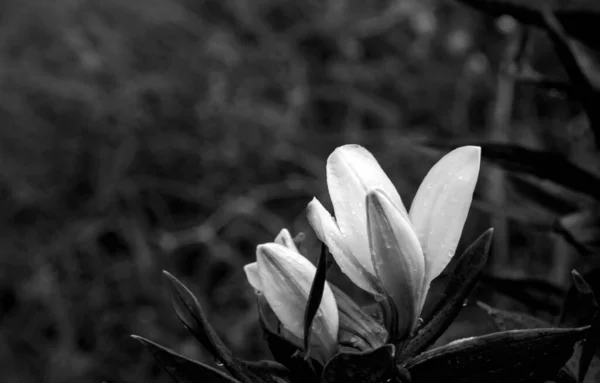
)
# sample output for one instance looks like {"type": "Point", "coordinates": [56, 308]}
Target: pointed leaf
{"type": "Point", "coordinates": [182, 368]}
{"type": "Point", "coordinates": [508, 320]}
{"type": "Point", "coordinates": [542, 164]}
{"type": "Point", "coordinates": [464, 278]}
{"type": "Point", "coordinates": [373, 366]}
{"type": "Point", "coordinates": [511, 356]}
{"type": "Point", "coordinates": [190, 313]}
{"type": "Point", "coordinates": [315, 296]}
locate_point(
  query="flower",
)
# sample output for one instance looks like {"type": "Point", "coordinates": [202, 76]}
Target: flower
{"type": "Point", "coordinates": [380, 246]}
{"type": "Point", "coordinates": [285, 278]}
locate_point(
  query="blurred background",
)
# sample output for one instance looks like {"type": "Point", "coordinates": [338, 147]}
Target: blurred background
{"type": "Point", "coordinates": [142, 135]}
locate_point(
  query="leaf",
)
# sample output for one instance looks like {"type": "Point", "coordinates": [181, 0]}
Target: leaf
{"type": "Point", "coordinates": [579, 18]}
{"type": "Point", "coordinates": [542, 164]}
{"type": "Point", "coordinates": [572, 367]}
{"type": "Point", "coordinates": [582, 230]}
{"type": "Point", "coordinates": [591, 342]}
{"type": "Point", "coordinates": [462, 281]}
{"type": "Point", "coordinates": [533, 292]}
{"type": "Point", "coordinates": [544, 195]}
{"type": "Point", "coordinates": [373, 366]}
{"type": "Point", "coordinates": [190, 313]}
{"type": "Point", "coordinates": [182, 368]}
{"type": "Point", "coordinates": [315, 296]}
{"type": "Point", "coordinates": [508, 320]}
{"type": "Point", "coordinates": [510, 356]}
{"type": "Point", "coordinates": [358, 329]}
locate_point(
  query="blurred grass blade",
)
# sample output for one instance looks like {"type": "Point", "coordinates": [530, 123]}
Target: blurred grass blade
{"type": "Point", "coordinates": [592, 340]}
{"type": "Point", "coordinates": [579, 18]}
{"type": "Point", "coordinates": [508, 320]}
{"type": "Point", "coordinates": [184, 369]}
{"type": "Point", "coordinates": [460, 285]}
{"type": "Point", "coordinates": [373, 366]}
{"type": "Point", "coordinates": [533, 292]}
{"type": "Point", "coordinates": [542, 164]}
{"type": "Point", "coordinates": [315, 296]}
{"type": "Point", "coordinates": [510, 356]}
{"type": "Point", "coordinates": [582, 230]}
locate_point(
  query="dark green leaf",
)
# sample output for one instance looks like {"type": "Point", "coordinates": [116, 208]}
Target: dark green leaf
{"type": "Point", "coordinates": [508, 320]}
{"type": "Point", "coordinates": [579, 18]}
{"type": "Point", "coordinates": [358, 329]}
{"type": "Point", "coordinates": [373, 366]}
{"type": "Point", "coordinates": [315, 296]}
{"type": "Point", "coordinates": [182, 368]}
{"type": "Point", "coordinates": [542, 164]}
{"type": "Point", "coordinates": [462, 281]}
{"type": "Point", "coordinates": [511, 356]}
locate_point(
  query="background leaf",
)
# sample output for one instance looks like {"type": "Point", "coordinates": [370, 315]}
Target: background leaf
{"type": "Point", "coordinates": [508, 320]}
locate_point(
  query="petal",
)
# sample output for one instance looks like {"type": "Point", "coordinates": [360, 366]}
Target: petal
{"type": "Point", "coordinates": [351, 172]}
{"type": "Point", "coordinates": [329, 233]}
{"type": "Point", "coordinates": [286, 279]}
{"type": "Point", "coordinates": [397, 257]}
{"type": "Point", "coordinates": [253, 277]}
{"type": "Point", "coordinates": [439, 210]}
{"type": "Point", "coordinates": [285, 238]}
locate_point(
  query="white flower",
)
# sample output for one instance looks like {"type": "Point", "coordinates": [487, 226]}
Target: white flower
{"type": "Point", "coordinates": [285, 278]}
{"type": "Point", "coordinates": [379, 245]}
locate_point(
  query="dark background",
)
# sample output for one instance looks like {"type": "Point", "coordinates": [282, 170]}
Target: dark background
{"type": "Point", "coordinates": [142, 135]}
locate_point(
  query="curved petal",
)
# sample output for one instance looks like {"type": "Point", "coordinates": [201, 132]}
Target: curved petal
{"type": "Point", "coordinates": [439, 210]}
{"type": "Point", "coordinates": [351, 172]}
{"type": "Point", "coordinates": [285, 238]}
{"type": "Point", "coordinates": [397, 257]}
{"type": "Point", "coordinates": [329, 233]}
{"type": "Point", "coordinates": [253, 277]}
{"type": "Point", "coordinates": [286, 279]}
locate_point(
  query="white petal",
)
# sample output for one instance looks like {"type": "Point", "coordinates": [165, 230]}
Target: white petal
{"type": "Point", "coordinates": [397, 257]}
{"type": "Point", "coordinates": [351, 172]}
{"type": "Point", "coordinates": [329, 233]}
{"type": "Point", "coordinates": [253, 277]}
{"type": "Point", "coordinates": [441, 205]}
{"type": "Point", "coordinates": [287, 278]}
{"type": "Point", "coordinates": [285, 238]}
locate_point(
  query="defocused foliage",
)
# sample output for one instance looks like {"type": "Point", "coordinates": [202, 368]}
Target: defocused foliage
{"type": "Point", "coordinates": [141, 135]}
